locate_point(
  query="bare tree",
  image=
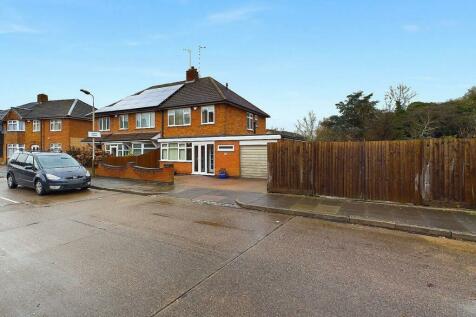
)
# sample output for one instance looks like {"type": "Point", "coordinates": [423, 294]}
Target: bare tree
{"type": "Point", "coordinates": [399, 97]}
{"type": "Point", "coordinates": [423, 125]}
{"type": "Point", "coordinates": [307, 126]}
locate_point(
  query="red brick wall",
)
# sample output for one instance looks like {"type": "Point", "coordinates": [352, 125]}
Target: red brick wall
{"type": "Point", "coordinates": [114, 124]}
{"type": "Point", "coordinates": [180, 167]}
{"type": "Point", "coordinates": [163, 175]}
{"type": "Point", "coordinates": [228, 160]}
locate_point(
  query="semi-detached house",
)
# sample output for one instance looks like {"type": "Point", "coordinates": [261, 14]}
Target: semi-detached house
{"type": "Point", "coordinates": [200, 125]}
{"type": "Point", "coordinates": [45, 125]}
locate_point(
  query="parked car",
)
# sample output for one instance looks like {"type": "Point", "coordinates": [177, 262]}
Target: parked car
{"type": "Point", "coordinates": [46, 172]}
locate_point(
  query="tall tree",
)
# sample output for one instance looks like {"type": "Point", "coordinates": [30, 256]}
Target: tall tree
{"type": "Point", "coordinates": [397, 98]}
{"type": "Point", "coordinates": [307, 126]}
{"type": "Point", "coordinates": [356, 114]}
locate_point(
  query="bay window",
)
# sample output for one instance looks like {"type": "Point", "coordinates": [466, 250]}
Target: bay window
{"type": "Point", "coordinates": [15, 125]}
{"type": "Point", "coordinates": [145, 120]}
{"type": "Point", "coordinates": [179, 117]}
{"type": "Point", "coordinates": [177, 152]}
{"type": "Point", "coordinates": [141, 148]}
{"type": "Point", "coordinates": [208, 114]}
{"type": "Point", "coordinates": [12, 148]}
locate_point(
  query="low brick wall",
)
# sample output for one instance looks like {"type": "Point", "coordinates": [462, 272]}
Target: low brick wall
{"type": "Point", "coordinates": [131, 171]}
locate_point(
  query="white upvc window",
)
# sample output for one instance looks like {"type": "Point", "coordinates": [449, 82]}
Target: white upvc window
{"type": "Point", "coordinates": [176, 152]}
{"type": "Point", "coordinates": [36, 125]}
{"type": "Point", "coordinates": [56, 125]}
{"type": "Point", "coordinates": [226, 148]}
{"type": "Point", "coordinates": [208, 114]}
{"type": "Point", "coordinates": [179, 117]}
{"type": "Point", "coordinates": [145, 120]}
{"type": "Point", "coordinates": [12, 148]}
{"type": "Point", "coordinates": [15, 125]}
{"type": "Point", "coordinates": [123, 122]}
{"type": "Point", "coordinates": [55, 147]}
{"type": "Point", "coordinates": [104, 124]}
{"type": "Point", "coordinates": [117, 149]}
{"type": "Point", "coordinates": [35, 148]}
{"type": "Point", "coordinates": [141, 148]}
{"type": "Point", "coordinates": [250, 120]}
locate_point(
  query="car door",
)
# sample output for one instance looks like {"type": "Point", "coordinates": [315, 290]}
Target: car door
{"type": "Point", "coordinates": [19, 169]}
{"type": "Point", "coordinates": [29, 171]}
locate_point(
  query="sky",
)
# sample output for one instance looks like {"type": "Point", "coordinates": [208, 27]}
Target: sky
{"type": "Point", "coordinates": [287, 57]}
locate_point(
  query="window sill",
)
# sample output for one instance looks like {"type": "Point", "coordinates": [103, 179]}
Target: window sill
{"type": "Point", "coordinates": [55, 130]}
{"type": "Point", "coordinates": [209, 123]}
{"type": "Point", "coordinates": [139, 128]}
{"type": "Point", "coordinates": [177, 126]}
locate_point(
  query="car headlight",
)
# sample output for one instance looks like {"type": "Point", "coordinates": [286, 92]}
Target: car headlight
{"type": "Point", "coordinates": [87, 173]}
{"type": "Point", "coordinates": [52, 177]}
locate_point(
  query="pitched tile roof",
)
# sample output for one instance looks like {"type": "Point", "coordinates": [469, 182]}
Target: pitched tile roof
{"type": "Point", "coordinates": [202, 91]}
{"type": "Point", "coordinates": [67, 108]}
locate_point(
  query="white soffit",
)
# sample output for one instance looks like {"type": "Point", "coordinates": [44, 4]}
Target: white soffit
{"type": "Point", "coordinates": [147, 98]}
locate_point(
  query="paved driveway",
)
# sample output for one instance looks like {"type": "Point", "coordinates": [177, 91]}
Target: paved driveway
{"type": "Point", "coordinates": [101, 253]}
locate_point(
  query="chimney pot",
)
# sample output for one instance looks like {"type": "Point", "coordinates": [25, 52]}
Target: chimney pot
{"type": "Point", "coordinates": [41, 98]}
{"type": "Point", "coordinates": [192, 74]}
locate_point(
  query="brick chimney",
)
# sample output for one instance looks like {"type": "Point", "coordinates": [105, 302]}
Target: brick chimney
{"type": "Point", "coordinates": [192, 74]}
{"type": "Point", "coordinates": [41, 98]}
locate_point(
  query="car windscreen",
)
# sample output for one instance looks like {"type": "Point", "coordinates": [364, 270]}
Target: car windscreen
{"type": "Point", "coordinates": [56, 161]}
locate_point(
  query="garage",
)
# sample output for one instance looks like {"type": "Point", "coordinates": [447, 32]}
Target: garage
{"type": "Point", "coordinates": [254, 161]}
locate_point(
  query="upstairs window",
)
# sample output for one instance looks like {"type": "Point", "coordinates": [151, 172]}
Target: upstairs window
{"type": "Point", "coordinates": [145, 120]}
{"type": "Point", "coordinates": [104, 124]}
{"type": "Point", "coordinates": [179, 117]}
{"type": "Point", "coordinates": [55, 125]}
{"type": "Point", "coordinates": [124, 122]}
{"type": "Point", "coordinates": [208, 114]}
{"type": "Point", "coordinates": [250, 121]}
{"type": "Point", "coordinates": [36, 125]}
{"type": "Point", "coordinates": [15, 125]}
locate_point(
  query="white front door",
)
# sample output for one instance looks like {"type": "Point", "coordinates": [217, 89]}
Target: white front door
{"type": "Point", "coordinates": [203, 159]}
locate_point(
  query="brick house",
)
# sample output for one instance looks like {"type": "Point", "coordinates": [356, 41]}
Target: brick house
{"type": "Point", "coordinates": [45, 125]}
{"type": "Point", "coordinates": [200, 126]}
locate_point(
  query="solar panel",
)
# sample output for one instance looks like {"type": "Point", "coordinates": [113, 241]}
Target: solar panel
{"type": "Point", "coordinates": [147, 98]}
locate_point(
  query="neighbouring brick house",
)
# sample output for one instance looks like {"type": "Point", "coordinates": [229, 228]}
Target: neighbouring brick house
{"type": "Point", "coordinates": [45, 125]}
{"type": "Point", "coordinates": [200, 126]}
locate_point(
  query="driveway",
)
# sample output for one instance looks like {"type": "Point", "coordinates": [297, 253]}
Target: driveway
{"type": "Point", "coordinates": [101, 253]}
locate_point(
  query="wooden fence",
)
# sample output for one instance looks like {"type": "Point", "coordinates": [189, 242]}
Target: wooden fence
{"type": "Point", "coordinates": [424, 172]}
{"type": "Point", "coordinates": [149, 159]}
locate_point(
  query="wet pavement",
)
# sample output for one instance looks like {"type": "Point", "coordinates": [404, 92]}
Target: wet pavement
{"type": "Point", "coordinates": [102, 253]}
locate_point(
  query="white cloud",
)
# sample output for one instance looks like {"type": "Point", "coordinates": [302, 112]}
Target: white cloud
{"type": "Point", "coordinates": [411, 28]}
{"type": "Point", "coordinates": [13, 28]}
{"type": "Point", "coordinates": [234, 15]}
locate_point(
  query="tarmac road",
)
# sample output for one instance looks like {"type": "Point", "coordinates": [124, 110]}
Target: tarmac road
{"type": "Point", "coordinates": [100, 253]}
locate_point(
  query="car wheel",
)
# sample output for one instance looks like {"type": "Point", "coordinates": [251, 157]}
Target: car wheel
{"type": "Point", "coordinates": [11, 181]}
{"type": "Point", "coordinates": [39, 188]}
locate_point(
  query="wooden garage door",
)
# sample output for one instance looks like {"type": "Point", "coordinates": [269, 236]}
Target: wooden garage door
{"type": "Point", "coordinates": [254, 161]}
